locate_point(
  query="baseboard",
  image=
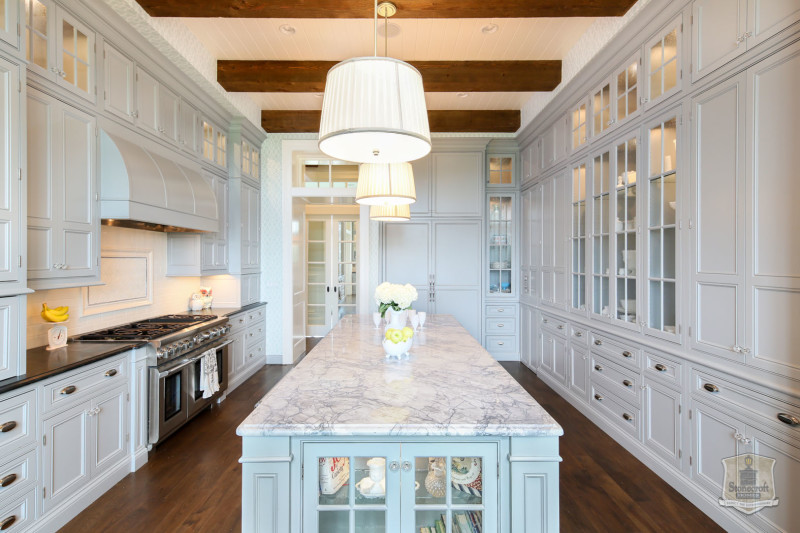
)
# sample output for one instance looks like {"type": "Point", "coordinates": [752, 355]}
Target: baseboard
{"type": "Point", "coordinates": [70, 508]}
{"type": "Point", "coordinates": [139, 459]}
{"type": "Point", "coordinates": [241, 378]}
{"type": "Point", "coordinates": [506, 357]}
{"type": "Point", "coordinates": [275, 360]}
{"type": "Point", "coordinates": [676, 479]}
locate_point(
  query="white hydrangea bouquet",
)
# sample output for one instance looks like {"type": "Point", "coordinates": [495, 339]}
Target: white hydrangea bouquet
{"type": "Point", "coordinates": [394, 296]}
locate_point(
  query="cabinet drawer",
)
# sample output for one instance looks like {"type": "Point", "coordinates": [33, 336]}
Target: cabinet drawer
{"type": "Point", "coordinates": [18, 515]}
{"type": "Point", "coordinates": [579, 335]}
{"type": "Point", "coordinates": [254, 334]}
{"type": "Point", "coordinates": [616, 351]}
{"type": "Point", "coordinates": [255, 316]}
{"type": "Point", "coordinates": [624, 382]}
{"type": "Point", "coordinates": [17, 474]}
{"type": "Point", "coordinates": [253, 354]}
{"type": "Point", "coordinates": [556, 325]}
{"type": "Point", "coordinates": [80, 386]}
{"type": "Point", "coordinates": [501, 325]}
{"type": "Point", "coordinates": [663, 369]}
{"type": "Point", "coordinates": [17, 422]}
{"type": "Point", "coordinates": [618, 411]}
{"type": "Point", "coordinates": [238, 322]}
{"type": "Point", "coordinates": [710, 387]}
{"type": "Point", "coordinates": [500, 344]}
{"type": "Point", "coordinates": [501, 310]}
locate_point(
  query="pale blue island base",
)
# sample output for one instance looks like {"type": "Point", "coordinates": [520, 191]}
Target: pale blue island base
{"type": "Point", "coordinates": [463, 442]}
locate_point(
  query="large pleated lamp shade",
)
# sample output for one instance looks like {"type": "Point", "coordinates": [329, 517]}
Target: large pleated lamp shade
{"type": "Point", "coordinates": [374, 111]}
{"type": "Point", "coordinates": [390, 213]}
{"type": "Point", "coordinates": [385, 184]}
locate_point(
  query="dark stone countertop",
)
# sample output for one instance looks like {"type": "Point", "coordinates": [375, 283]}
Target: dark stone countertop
{"type": "Point", "coordinates": [42, 363]}
{"type": "Point", "coordinates": [227, 311]}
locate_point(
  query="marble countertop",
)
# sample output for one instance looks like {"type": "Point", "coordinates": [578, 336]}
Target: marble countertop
{"type": "Point", "coordinates": [447, 386]}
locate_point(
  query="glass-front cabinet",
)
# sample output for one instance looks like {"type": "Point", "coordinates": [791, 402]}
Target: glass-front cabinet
{"type": "Point", "coordinates": [663, 63]}
{"type": "Point", "coordinates": [501, 171]}
{"type": "Point", "coordinates": [392, 487]}
{"type": "Point", "coordinates": [501, 248]}
{"type": "Point", "coordinates": [625, 230]}
{"type": "Point", "coordinates": [601, 253]}
{"type": "Point", "coordinates": [578, 237]}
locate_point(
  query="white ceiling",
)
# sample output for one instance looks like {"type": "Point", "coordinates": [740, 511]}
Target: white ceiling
{"type": "Point", "coordinates": [418, 39]}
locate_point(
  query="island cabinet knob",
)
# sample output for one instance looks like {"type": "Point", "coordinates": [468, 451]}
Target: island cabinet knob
{"type": "Point", "coordinates": [789, 419]}
{"type": "Point", "coordinates": [8, 426]}
{"type": "Point", "coordinates": [7, 522]}
{"type": "Point", "coordinates": [394, 466]}
{"type": "Point", "coordinates": [406, 466]}
{"type": "Point", "coordinates": [500, 310]}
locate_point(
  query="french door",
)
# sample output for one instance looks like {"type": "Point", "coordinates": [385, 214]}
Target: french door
{"type": "Point", "coordinates": [332, 266]}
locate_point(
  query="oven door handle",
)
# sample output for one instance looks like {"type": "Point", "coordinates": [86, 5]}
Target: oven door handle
{"type": "Point", "coordinates": [186, 362]}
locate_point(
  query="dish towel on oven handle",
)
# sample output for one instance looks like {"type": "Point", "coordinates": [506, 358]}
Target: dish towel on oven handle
{"type": "Point", "coordinates": [209, 375]}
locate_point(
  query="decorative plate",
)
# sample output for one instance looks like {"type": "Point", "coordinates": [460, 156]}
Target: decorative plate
{"type": "Point", "coordinates": [465, 470]}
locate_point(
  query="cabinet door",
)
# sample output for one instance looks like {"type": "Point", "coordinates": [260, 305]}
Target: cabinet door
{"type": "Point", "coordinates": [422, 184]}
{"type": "Point", "coordinates": [525, 155]}
{"type": "Point", "coordinates": [9, 171]}
{"type": "Point", "coordinates": [237, 356]}
{"type": "Point", "coordinates": [560, 238]}
{"type": "Point", "coordinates": [548, 223]}
{"type": "Point", "coordinates": [9, 18]}
{"type": "Point", "coordinates": [547, 348]}
{"type": "Point", "coordinates": [146, 100]}
{"type": "Point", "coordinates": [719, 203]}
{"type": "Point", "coordinates": [525, 313]}
{"type": "Point", "coordinates": [169, 113]}
{"type": "Point", "coordinates": [765, 18]}
{"type": "Point", "coordinates": [406, 248]}
{"type": "Point", "coordinates": [458, 184]}
{"type": "Point", "coordinates": [75, 54]}
{"type": "Point", "coordinates": [255, 228]}
{"type": "Point", "coordinates": [43, 162]}
{"type": "Point", "coordinates": [221, 241]}
{"type": "Point", "coordinates": [786, 471]}
{"type": "Point", "coordinates": [9, 337]}
{"type": "Point", "coordinates": [662, 421]}
{"type": "Point", "coordinates": [663, 63]}
{"type": "Point", "coordinates": [717, 30]}
{"type": "Point", "coordinates": [190, 127]}
{"type": "Point", "coordinates": [560, 359]}
{"type": "Point", "coordinates": [39, 31]}
{"type": "Point", "coordinates": [579, 372]}
{"type": "Point", "coordinates": [109, 429]}
{"type": "Point", "coordinates": [714, 437]}
{"type": "Point", "coordinates": [457, 272]}
{"type": "Point", "coordinates": [118, 82]}
{"type": "Point", "coordinates": [65, 454]}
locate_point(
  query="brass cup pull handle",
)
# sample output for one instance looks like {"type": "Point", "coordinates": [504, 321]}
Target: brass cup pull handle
{"type": "Point", "coordinates": [561, 326]}
{"type": "Point", "coordinates": [8, 480]}
{"type": "Point", "coordinates": [598, 397]}
{"type": "Point", "coordinates": [627, 383]}
{"type": "Point", "coordinates": [578, 334]}
{"type": "Point", "coordinates": [710, 387]}
{"type": "Point", "coordinates": [111, 373]}
{"type": "Point", "coordinates": [786, 418]}
{"type": "Point", "coordinates": [660, 367]}
{"type": "Point", "coordinates": [8, 426]}
{"type": "Point", "coordinates": [627, 417]}
{"type": "Point", "coordinates": [68, 390]}
{"type": "Point", "coordinates": [598, 342]}
{"type": "Point", "coordinates": [7, 522]}
{"type": "Point", "coordinates": [626, 353]}
{"type": "Point", "coordinates": [598, 368]}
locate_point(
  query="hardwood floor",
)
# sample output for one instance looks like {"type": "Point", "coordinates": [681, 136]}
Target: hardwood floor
{"type": "Point", "coordinates": [193, 480]}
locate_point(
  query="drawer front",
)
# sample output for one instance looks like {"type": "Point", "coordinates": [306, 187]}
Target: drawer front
{"type": "Point", "coordinates": [501, 310]}
{"type": "Point", "coordinates": [579, 335]}
{"type": "Point", "coordinates": [17, 422]}
{"type": "Point", "coordinates": [254, 334]}
{"type": "Point", "coordinates": [665, 370]}
{"type": "Point", "coordinates": [17, 515]}
{"type": "Point", "coordinates": [501, 325]}
{"type": "Point", "coordinates": [555, 325]}
{"type": "Point", "coordinates": [708, 386]}
{"type": "Point", "coordinates": [620, 380]}
{"type": "Point", "coordinates": [238, 322]}
{"type": "Point", "coordinates": [80, 386]}
{"type": "Point", "coordinates": [500, 344]}
{"type": "Point", "coordinates": [622, 414]}
{"type": "Point", "coordinates": [253, 354]}
{"type": "Point", "coordinates": [17, 475]}
{"type": "Point", "coordinates": [616, 351]}
{"type": "Point", "coordinates": [255, 316]}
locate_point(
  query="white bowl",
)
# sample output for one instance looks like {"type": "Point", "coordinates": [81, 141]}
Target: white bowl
{"type": "Point", "coordinates": [630, 307]}
{"type": "Point", "coordinates": [396, 350]}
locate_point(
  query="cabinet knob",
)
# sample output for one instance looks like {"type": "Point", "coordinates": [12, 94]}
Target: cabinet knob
{"type": "Point", "coordinates": [598, 397]}
{"type": "Point", "coordinates": [8, 480]}
{"type": "Point", "coordinates": [627, 354]}
{"type": "Point", "coordinates": [627, 383]}
{"type": "Point", "coordinates": [68, 390]}
{"type": "Point", "coordinates": [406, 466]}
{"type": "Point", "coordinates": [545, 320]}
{"type": "Point", "coordinates": [501, 343]}
{"type": "Point", "coordinates": [8, 426]}
{"type": "Point", "coordinates": [660, 367]}
{"type": "Point", "coordinates": [627, 417]}
{"type": "Point", "coordinates": [789, 419]}
{"type": "Point", "coordinates": [598, 368]}
{"type": "Point", "coordinates": [7, 522]}
{"type": "Point", "coordinates": [500, 325]}
{"type": "Point", "coordinates": [500, 310]}
{"type": "Point", "coordinates": [111, 373]}
{"type": "Point", "coordinates": [394, 466]}
{"type": "Point", "coordinates": [598, 342]}
{"type": "Point", "coordinates": [560, 326]}
{"type": "Point", "coordinates": [578, 334]}
{"type": "Point", "coordinates": [710, 387]}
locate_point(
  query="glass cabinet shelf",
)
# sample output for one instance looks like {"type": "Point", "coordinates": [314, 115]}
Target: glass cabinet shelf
{"type": "Point", "coordinates": [500, 247]}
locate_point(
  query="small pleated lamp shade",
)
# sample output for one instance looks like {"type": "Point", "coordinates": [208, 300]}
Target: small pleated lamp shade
{"type": "Point", "coordinates": [390, 213]}
{"type": "Point", "coordinates": [374, 111]}
{"type": "Point", "coordinates": [385, 184]}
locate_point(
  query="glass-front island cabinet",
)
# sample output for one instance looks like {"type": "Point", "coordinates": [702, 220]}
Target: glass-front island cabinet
{"type": "Point", "coordinates": [352, 441]}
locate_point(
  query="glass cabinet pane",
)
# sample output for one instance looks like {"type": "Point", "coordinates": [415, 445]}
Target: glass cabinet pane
{"type": "Point", "coordinates": [627, 90]}
{"type": "Point", "coordinates": [661, 231]}
{"type": "Point", "coordinates": [578, 237]}
{"type": "Point", "coordinates": [601, 109]}
{"type": "Point", "coordinates": [501, 239]}
{"type": "Point", "coordinates": [625, 225]}
{"type": "Point", "coordinates": [334, 474]}
{"type": "Point", "coordinates": [501, 171]}
{"type": "Point", "coordinates": [36, 37]}
{"type": "Point", "coordinates": [601, 204]}
{"type": "Point", "coordinates": [76, 48]}
{"type": "Point", "coordinates": [579, 118]}
{"type": "Point", "coordinates": [663, 56]}
{"type": "Point", "coordinates": [439, 503]}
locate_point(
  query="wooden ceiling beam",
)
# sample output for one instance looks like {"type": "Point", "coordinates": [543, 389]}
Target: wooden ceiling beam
{"type": "Point", "coordinates": [491, 121]}
{"type": "Point", "coordinates": [414, 9]}
{"type": "Point", "coordinates": [437, 76]}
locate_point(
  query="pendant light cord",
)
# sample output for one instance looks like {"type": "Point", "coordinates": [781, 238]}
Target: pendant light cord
{"type": "Point", "coordinates": [375, 29]}
{"type": "Point", "coordinates": [385, 34]}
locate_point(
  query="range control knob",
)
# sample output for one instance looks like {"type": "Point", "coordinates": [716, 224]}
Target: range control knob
{"type": "Point", "coordinates": [226, 328]}
{"type": "Point", "coordinates": [197, 339]}
{"type": "Point", "coordinates": [205, 335]}
{"type": "Point", "coordinates": [161, 353]}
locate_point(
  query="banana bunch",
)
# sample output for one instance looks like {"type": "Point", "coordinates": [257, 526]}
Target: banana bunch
{"type": "Point", "coordinates": [59, 314]}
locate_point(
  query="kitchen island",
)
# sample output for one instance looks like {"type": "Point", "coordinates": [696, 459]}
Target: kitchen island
{"type": "Point", "coordinates": [353, 441]}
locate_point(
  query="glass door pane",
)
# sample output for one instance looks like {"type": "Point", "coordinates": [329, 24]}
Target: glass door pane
{"type": "Point", "coordinates": [501, 238]}
{"type": "Point", "coordinates": [628, 90]}
{"type": "Point", "coordinates": [347, 279]}
{"type": "Point", "coordinates": [500, 171]}
{"type": "Point", "coordinates": [600, 234]}
{"type": "Point", "coordinates": [579, 120]}
{"type": "Point", "coordinates": [317, 281]}
{"type": "Point", "coordinates": [36, 36]}
{"type": "Point", "coordinates": [578, 237]}
{"type": "Point", "coordinates": [626, 232]}
{"type": "Point", "coordinates": [601, 109]}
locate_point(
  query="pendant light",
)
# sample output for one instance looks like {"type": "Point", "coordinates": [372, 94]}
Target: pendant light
{"type": "Point", "coordinates": [373, 110]}
{"type": "Point", "coordinates": [385, 184]}
{"type": "Point", "coordinates": [390, 213]}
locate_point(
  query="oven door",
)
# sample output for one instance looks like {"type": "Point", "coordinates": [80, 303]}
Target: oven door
{"type": "Point", "coordinates": [195, 392]}
{"type": "Point", "coordinates": [169, 406]}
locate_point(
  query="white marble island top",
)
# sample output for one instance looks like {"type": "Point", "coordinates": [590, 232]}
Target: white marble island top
{"type": "Point", "coordinates": [448, 385]}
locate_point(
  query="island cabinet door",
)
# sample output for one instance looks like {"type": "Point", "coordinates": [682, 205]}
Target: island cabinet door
{"type": "Point", "coordinates": [351, 487]}
{"type": "Point", "coordinates": [453, 485]}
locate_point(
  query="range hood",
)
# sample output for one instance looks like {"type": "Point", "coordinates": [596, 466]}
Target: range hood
{"type": "Point", "coordinates": [152, 189]}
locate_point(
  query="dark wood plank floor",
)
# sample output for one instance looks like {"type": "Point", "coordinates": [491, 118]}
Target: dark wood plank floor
{"type": "Point", "coordinates": [193, 481]}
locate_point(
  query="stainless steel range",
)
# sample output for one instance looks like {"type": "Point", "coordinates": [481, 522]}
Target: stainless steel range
{"type": "Point", "coordinates": [175, 345]}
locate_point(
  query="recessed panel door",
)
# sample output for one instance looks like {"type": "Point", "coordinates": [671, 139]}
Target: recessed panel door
{"type": "Point", "coordinates": [65, 454]}
{"type": "Point", "coordinates": [9, 171]}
